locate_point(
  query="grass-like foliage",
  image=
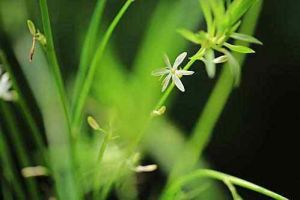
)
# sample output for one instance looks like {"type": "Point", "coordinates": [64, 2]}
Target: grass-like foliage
{"type": "Point", "coordinates": [85, 136]}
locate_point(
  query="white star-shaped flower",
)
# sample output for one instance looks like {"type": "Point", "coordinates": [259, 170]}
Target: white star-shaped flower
{"type": "Point", "coordinates": [5, 85]}
{"type": "Point", "coordinates": [173, 72]}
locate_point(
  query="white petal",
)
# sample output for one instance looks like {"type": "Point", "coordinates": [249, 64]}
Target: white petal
{"type": "Point", "coordinates": [179, 60]}
{"type": "Point", "coordinates": [160, 72]}
{"type": "Point", "coordinates": [184, 72]}
{"type": "Point", "coordinates": [220, 59]}
{"type": "Point", "coordinates": [166, 82]}
{"type": "Point", "coordinates": [178, 83]}
{"type": "Point", "coordinates": [7, 96]}
{"type": "Point", "coordinates": [167, 61]}
{"type": "Point", "coordinates": [4, 78]}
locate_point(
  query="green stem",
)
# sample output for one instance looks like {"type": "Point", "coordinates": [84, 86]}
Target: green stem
{"type": "Point", "coordinates": [37, 135]}
{"type": "Point", "coordinates": [95, 62]}
{"type": "Point", "coordinates": [173, 188]}
{"type": "Point", "coordinates": [165, 96]}
{"type": "Point", "coordinates": [88, 48]}
{"type": "Point", "coordinates": [59, 130]}
{"type": "Point", "coordinates": [51, 55]}
{"type": "Point", "coordinates": [19, 146]}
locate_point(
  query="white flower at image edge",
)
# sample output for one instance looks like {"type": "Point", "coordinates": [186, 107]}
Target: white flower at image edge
{"type": "Point", "coordinates": [173, 72]}
{"type": "Point", "coordinates": [5, 86]}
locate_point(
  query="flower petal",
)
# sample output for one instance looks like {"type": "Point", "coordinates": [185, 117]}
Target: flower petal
{"type": "Point", "coordinates": [179, 60]}
{"type": "Point", "coordinates": [4, 79]}
{"type": "Point", "coordinates": [184, 72]}
{"type": "Point", "coordinates": [178, 83]}
{"type": "Point", "coordinates": [160, 72]}
{"type": "Point", "coordinates": [220, 59]}
{"type": "Point", "coordinates": [7, 96]}
{"type": "Point", "coordinates": [166, 82]}
{"type": "Point", "coordinates": [167, 61]}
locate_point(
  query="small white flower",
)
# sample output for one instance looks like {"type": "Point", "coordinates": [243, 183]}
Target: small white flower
{"type": "Point", "coordinates": [5, 85]}
{"type": "Point", "coordinates": [147, 168]}
{"type": "Point", "coordinates": [173, 72]}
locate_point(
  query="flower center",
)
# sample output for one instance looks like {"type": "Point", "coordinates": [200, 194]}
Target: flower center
{"type": "Point", "coordinates": [173, 71]}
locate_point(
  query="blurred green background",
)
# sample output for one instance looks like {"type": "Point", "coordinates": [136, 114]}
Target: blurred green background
{"type": "Point", "coordinates": [256, 136]}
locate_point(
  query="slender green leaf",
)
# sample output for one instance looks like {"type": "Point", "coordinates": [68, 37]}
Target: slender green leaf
{"type": "Point", "coordinates": [238, 48]}
{"type": "Point", "coordinates": [246, 38]}
{"type": "Point", "coordinates": [237, 9]}
{"type": "Point", "coordinates": [88, 48]}
{"type": "Point", "coordinates": [174, 188]}
{"type": "Point", "coordinates": [51, 54]}
{"type": "Point", "coordinates": [205, 6]}
{"type": "Point", "coordinates": [85, 88]}
{"type": "Point", "coordinates": [190, 36]}
{"type": "Point", "coordinates": [218, 9]}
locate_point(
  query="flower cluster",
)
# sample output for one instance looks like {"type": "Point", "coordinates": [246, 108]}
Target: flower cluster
{"type": "Point", "coordinates": [223, 22]}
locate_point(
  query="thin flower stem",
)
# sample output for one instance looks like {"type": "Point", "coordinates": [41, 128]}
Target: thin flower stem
{"type": "Point", "coordinates": [19, 146]}
{"type": "Point", "coordinates": [37, 135]}
{"type": "Point", "coordinates": [175, 186]}
{"type": "Point", "coordinates": [88, 47]}
{"type": "Point", "coordinates": [66, 185]}
{"type": "Point", "coordinates": [79, 105]}
{"type": "Point", "coordinates": [165, 96]}
{"type": "Point", "coordinates": [50, 52]}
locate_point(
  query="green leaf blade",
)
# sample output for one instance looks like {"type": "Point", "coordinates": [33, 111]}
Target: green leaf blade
{"type": "Point", "coordinates": [239, 48]}
{"type": "Point", "coordinates": [245, 38]}
{"type": "Point", "coordinates": [188, 35]}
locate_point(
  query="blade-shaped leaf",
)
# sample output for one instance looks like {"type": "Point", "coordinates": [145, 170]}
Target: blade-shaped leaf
{"type": "Point", "coordinates": [246, 38]}
{"type": "Point", "coordinates": [238, 48]}
{"type": "Point", "coordinates": [218, 10]}
{"type": "Point", "coordinates": [237, 9]}
{"type": "Point", "coordinates": [190, 36]}
{"type": "Point", "coordinates": [208, 16]}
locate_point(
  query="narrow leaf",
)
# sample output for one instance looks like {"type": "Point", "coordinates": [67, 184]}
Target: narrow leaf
{"type": "Point", "coordinates": [246, 38]}
{"type": "Point", "coordinates": [237, 9]}
{"type": "Point", "coordinates": [207, 15]}
{"type": "Point", "coordinates": [238, 48]}
{"type": "Point", "coordinates": [189, 36]}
